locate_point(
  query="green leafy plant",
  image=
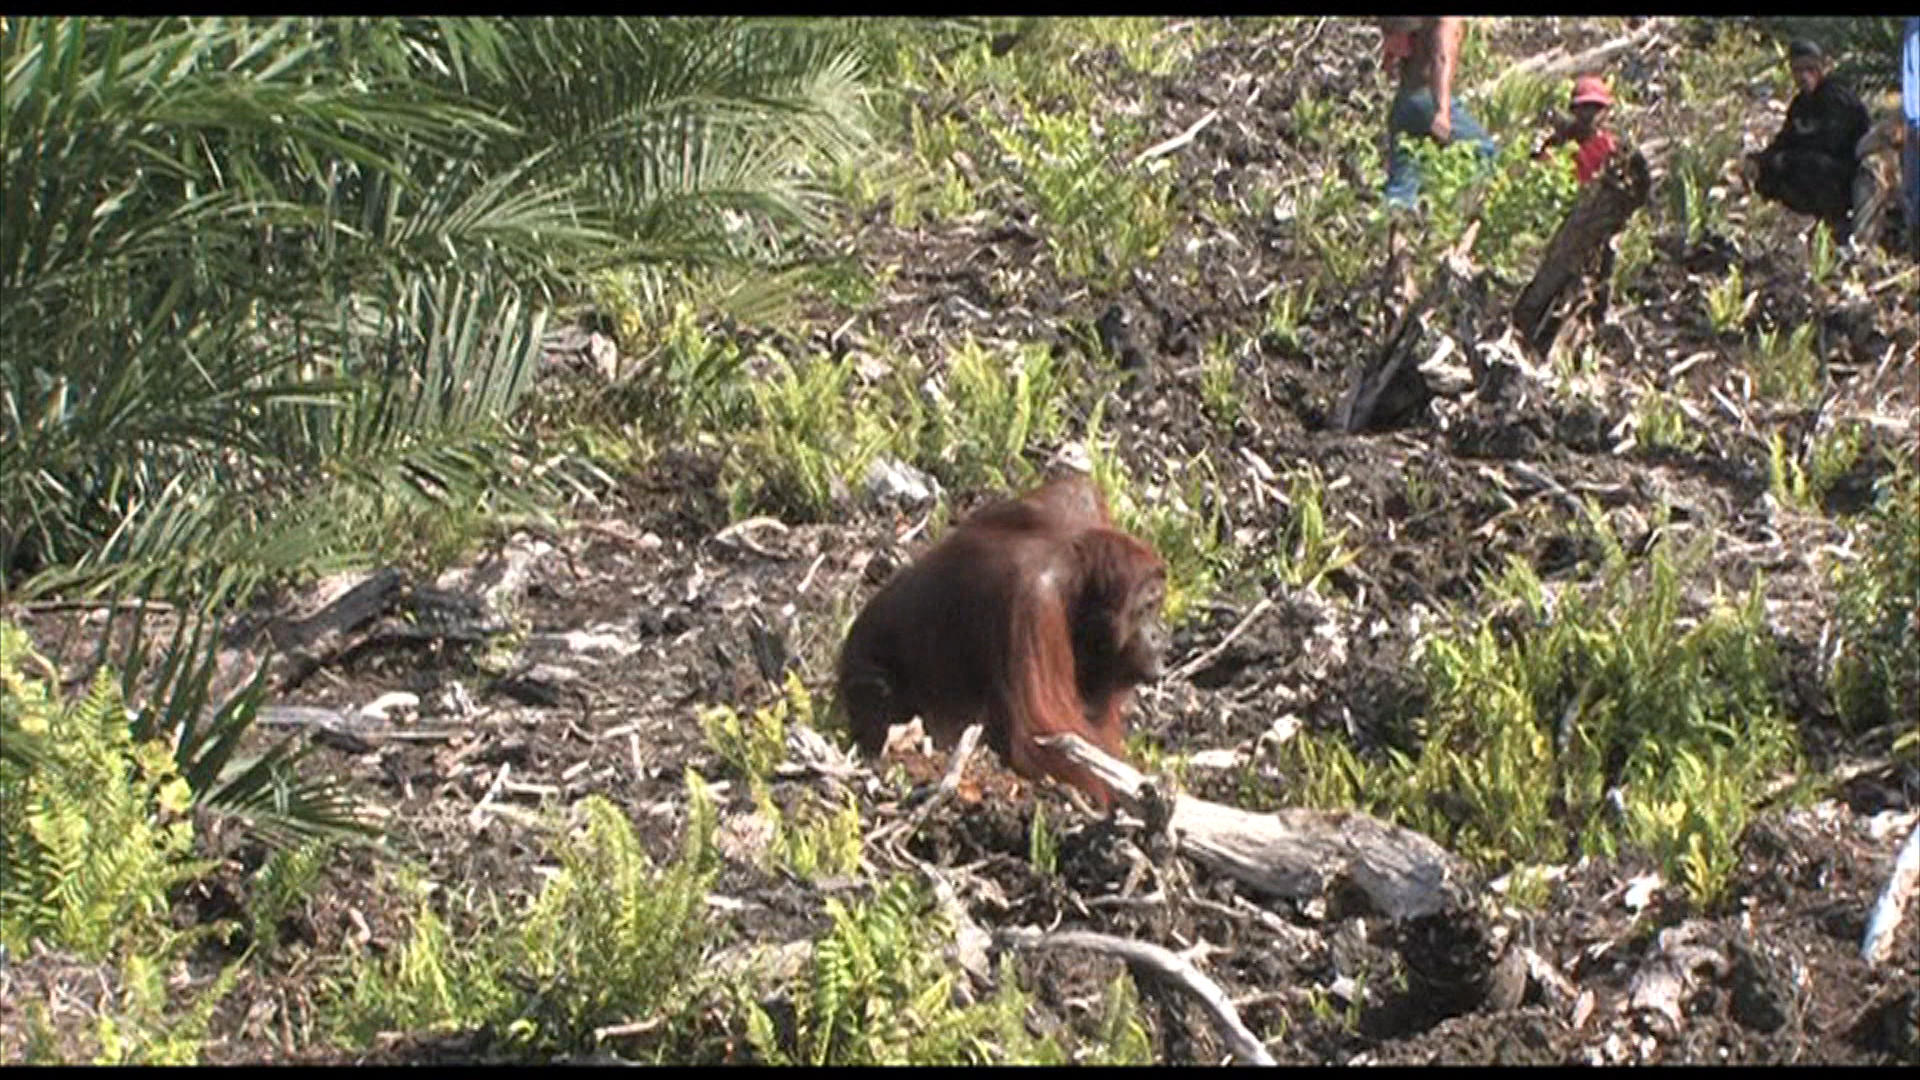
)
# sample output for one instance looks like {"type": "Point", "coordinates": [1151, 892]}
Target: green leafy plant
{"type": "Point", "coordinates": [880, 992]}
{"type": "Point", "coordinates": [1218, 392]}
{"type": "Point", "coordinates": [752, 745]}
{"type": "Point", "coordinates": [1529, 887]}
{"type": "Point", "coordinates": [297, 313]}
{"type": "Point", "coordinates": [1518, 201]}
{"type": "Point", "coordinates": [1312, 116]}
{"type": "Point", "coordinates": [1876, 675]}
{"type": "Point", "coordinates": [1786, 368]}
{"type": "Point", "coordinates": [1102, 217]}
{"type": "Point", "coordinates": [808, 442]}
{"type": "Point", "coordinates": [814, 842]}
{"type": "Point", "coordinates": [1729, 302]}
{"type": "Point", "coordinates": [1633, 253]}
{"type": "Point", "coordinates": [1557, 704]}
{"type": "Point", "coordinates": [992, 407]}
{"type": "Point", "coordinates": [283, 883]}
{"type": "Point", "coordinates": [1183, 524]}
{"type": "Point", "coordinates": [1285, 308]}
{"type": "Point", "coordinates": [1043, 845]}
{"type": "Point", "coordinates": [1693, 171]}
{"type": "Point", "coordinates": [611, 938]}
{"type": "Point", "coordinates": [150, 1025]}
{"type": "Point", "coordinates": [1802, 487]}
{"type": "Point", "coordinates": [1307, 552]}
{"type": "Point", "coordinates": [95, 833]}
{"type": "Point", "coordinates": [1660, 423]}
{"type": "Point", "coordinates": [1821, 258]}
{"type": "Point", "coordinates": [95, 836]}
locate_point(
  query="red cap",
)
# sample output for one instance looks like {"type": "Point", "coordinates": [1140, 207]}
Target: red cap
{"type": "Point", "coordinates": [1591, 88]}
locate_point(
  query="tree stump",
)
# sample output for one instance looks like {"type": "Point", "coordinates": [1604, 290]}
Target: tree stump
{"type": "Point", "coordinates": [1597, 216]}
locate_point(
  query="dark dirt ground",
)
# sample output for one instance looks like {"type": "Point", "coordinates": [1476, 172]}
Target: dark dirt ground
{"type": "Point", "coordinates": [668, 615]}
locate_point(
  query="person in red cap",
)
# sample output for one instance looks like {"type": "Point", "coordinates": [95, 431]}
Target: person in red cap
{"type": "Point", "coordinates": [1594, 144]}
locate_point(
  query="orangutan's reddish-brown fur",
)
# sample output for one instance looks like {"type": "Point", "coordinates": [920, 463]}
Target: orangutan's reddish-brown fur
{"type": "Point", "coordinates": [1034, 616]}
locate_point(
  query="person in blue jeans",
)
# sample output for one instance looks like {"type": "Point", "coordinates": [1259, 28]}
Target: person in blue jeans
{"type": "Point", "coordinates": [1910, 108]}
{"type": "Point", "coordinates": [1427, 51]}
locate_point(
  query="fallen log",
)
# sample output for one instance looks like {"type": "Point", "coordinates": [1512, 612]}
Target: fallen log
{"type": "Point", "coordinates": [308, 644]}
{"type": "Point", "coordinates": [1294, 853]}
{"type": "Point", "coordinates": [1557, 61]}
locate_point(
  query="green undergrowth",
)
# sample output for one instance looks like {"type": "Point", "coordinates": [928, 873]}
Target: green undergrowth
{"type": "Point", "coordinates": [1584, 720]}
{"type": "Point", "coordinates": [811, 838]}
{"type": "Point", "coordinates": [1876, 675]}
{"type": "Point", "coordinates": [620, 953]}
{"type": "Point", "coordinates": [612, 937]}
{"type": "Point", "coordinates": [96, 837]}
{"type": "Point", "coordinates": [1518, 201]}
{"type": "Point", "coordinates": [879, 989]}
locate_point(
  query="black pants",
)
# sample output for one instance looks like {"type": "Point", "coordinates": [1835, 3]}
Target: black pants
{"type": "Point", "coordinates": [1811, 183]}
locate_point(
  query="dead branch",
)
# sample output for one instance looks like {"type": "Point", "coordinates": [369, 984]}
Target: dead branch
{"type": "Point", "coordinates": [1199, 662]}
{"type": "Point", "coordinates": [1178, 141]}
{"type": "Point", "coordinates": [896, 836]}
{"type": "Point", "coordinates": [1556, 61]}
{"type": "Point", "coordinates": [158, 607]}
{"type": "Point", "coordinates": [738, 535]}
{"type": "Point", "coordinates": [1295, 853]}
{"type": "Point", "coordinates": [1161, 961]}
{"type": "Point", "coordinates": [311, 643]}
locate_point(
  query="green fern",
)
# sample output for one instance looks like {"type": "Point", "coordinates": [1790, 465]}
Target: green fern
{"type": "Point", "coordinates": [279, 886]}
{"type": "Point", "coordinates": [94, 840]}
{"type": "Point", "coordinates": [881, 992]}
{"type": "Point", "coordinates": [151, 1027]}
{"type": "Point", "coordinates": [611, 938]}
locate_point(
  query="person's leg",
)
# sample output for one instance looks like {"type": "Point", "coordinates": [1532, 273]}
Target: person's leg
{"type": "Point", "coordinates": [1868, 200]}
{"type": "Point", "coordinates": [1467, 129]}
{"type": "Point", "coordinates": [1412, 116]}
{"type": "Point", "coordinates": [1910, 176]}
{"type": "Point", "coordinates": [1816, 184]}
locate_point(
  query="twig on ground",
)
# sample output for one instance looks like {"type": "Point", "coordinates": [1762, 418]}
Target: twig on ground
{"type": "Point", "coordinates": [160, 607]}
{"type": "Point", "coordinates": [1178, 141]}
{"type": "Point", "coordinates": [811, 570]}
{"type": "Point", "coordinates": [896, 836]}
{"type": "Point", "coordinates": [1163, 962]}
{"type": "Point", "coordinates": [493, 791]}
{"type": "Point", "coordinates": [736, 535]}
{"type": "Point", "coordinates": [1197, 663]}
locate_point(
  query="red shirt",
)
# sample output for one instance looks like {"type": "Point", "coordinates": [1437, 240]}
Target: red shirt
{"type": "Point", "coordinates": [1590, 157]}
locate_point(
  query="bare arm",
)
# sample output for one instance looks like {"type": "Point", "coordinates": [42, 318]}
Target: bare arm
{"type": "Point", "coordinates": [1447, 31]}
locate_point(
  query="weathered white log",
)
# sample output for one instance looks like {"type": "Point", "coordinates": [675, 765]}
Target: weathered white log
{"type": "Point", "coordinates": [1295, 853]}
{"type": "Point", "coordinates": [1555, 61]}
{"type": "Point", "coordinates": [1178, 141]}
{"type": "Point", "coordinates": [1893, 902]}
{"type": "Point", "coordinates": [1164, 962]}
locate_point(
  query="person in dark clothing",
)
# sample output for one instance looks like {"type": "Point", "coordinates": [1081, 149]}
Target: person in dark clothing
{"type": "Point", "coordinates": [1809, 166]}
